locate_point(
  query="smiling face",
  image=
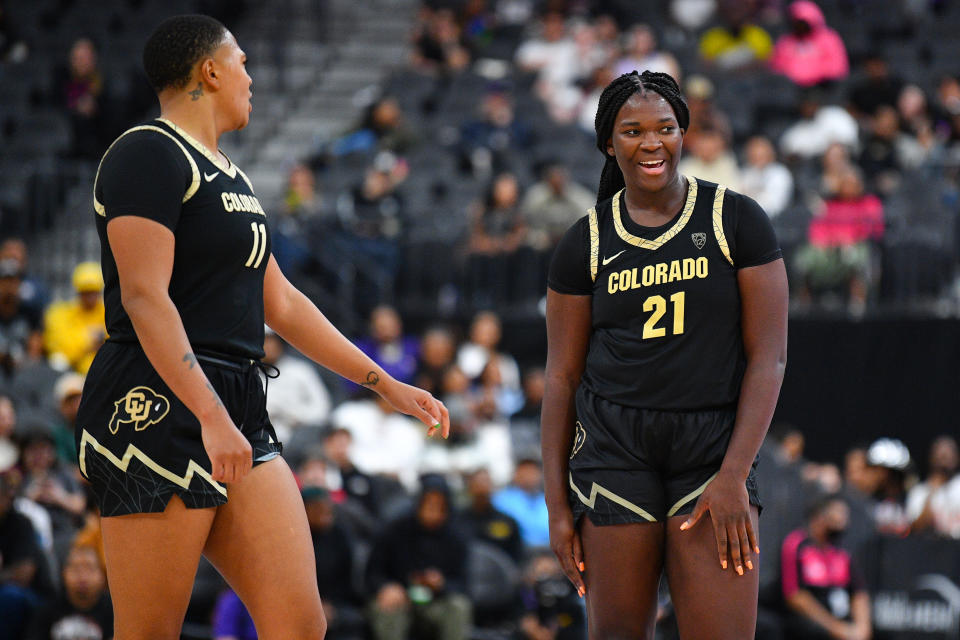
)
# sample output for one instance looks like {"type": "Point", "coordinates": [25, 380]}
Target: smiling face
{"type": "Point", "coordinates": [646, 141]}
{"type": "Point", "coordinates": [233, 95]}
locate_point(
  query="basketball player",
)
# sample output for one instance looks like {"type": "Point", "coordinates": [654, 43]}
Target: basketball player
{"type": "Point", "coordinates": [173, 432]}
{"type": "Point", "coordinates": [667, 324]}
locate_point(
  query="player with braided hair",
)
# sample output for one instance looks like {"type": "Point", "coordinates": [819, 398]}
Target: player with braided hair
{"type": "Point", "coordinates": [666, 326]}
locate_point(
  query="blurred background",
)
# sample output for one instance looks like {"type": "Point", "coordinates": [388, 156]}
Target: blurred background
{"type": "Point", "coordinates": [418, 162]}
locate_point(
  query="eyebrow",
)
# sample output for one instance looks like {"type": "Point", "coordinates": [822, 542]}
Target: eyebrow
{"type": "Point", "coordinates": [634, 123]}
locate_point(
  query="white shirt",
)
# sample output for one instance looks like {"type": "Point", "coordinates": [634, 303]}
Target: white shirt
{"type": "Point", "coordinates": [297, 397]}
{"type": "Point", "coordinates": [944, 503]}
{"type": "Point", "coordinates": [810, 138]}
{"type": "Point", "coordinates": [771, 186]}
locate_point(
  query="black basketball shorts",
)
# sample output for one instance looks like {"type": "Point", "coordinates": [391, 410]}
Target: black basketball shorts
{"type": "Point", "coordinates": [643, 465]}
{"type": "Point", "coordinates": [138, 445]}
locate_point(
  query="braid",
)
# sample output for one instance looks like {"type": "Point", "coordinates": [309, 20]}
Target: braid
{"type": "Point", "coordinates": [612, 98]}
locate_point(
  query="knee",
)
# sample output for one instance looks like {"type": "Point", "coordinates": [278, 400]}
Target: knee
{"type": "Point", "coordinates": [306, 622]}
{"type": "Point", "coordinates": [619, 631]}
{"type": "Point", "coordinates": [159, 629]}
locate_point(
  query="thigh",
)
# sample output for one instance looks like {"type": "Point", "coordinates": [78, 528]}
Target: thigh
{"type": "Point", "coordinates": [623, 564]}
{"type": "Point", "coordinates": [151, 563]}
{"type": "Point", "coordinates": [260, 542]}
{"type": "Point", "coordinates": [710, 603]}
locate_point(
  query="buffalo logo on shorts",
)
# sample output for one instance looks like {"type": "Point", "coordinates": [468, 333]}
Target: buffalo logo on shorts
{"type": "Point", "coordinates": [699, 239]}
{"type": "Point", "coordinates": [579, 437]}
{"type": "Point", "coordinates": [141, 407]}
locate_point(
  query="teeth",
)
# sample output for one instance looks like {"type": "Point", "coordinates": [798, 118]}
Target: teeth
{"type": "Point", "coordinates": [652, 164]}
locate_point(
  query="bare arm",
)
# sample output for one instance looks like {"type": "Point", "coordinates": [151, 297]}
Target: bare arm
{"type": "Point", "coordinates": [568, 335]}
{"type": "Point", "coordinates": [143, 250]}
{"type": "Point", "coordinates": [301, 323]}
{"type": "Point", "coordinates": [860, 612]}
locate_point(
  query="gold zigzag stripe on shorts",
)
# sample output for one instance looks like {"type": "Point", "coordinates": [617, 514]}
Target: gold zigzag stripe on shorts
{"type": "Point", "coordinates": [596, 490]}
{"type": "Point", "coordinates": [133, 452]}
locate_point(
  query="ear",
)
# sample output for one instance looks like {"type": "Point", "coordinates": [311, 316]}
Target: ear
{"type": "Point", "coordinates": [610, 151]}
{"type": "Point", "coordinates": [208, 73]}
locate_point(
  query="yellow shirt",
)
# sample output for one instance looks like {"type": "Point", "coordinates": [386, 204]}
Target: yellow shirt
{"type": "Point", "coordinates": [74, 334]}
{"type": "Point", "coordinates": [719, 41]}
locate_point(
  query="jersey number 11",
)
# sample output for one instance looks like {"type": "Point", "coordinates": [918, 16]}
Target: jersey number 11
{"type": "Point", "coordinates": [259, 245]}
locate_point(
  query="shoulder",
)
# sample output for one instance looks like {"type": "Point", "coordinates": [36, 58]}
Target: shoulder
{"type": "Point", "coordinates": [145, 140]}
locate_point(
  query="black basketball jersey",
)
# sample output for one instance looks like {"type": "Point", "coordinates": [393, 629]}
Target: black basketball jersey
{"type": "Point", "coordinates": [158, 171]}
{"type": "Point", "coordinates": [666, 303]}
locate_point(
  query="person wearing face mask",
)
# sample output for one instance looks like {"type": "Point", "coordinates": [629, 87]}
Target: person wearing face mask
{"type": "Point", "coordinates": [823, 589]}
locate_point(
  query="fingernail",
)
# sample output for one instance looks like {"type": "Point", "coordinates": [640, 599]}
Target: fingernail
{"type": "Point", "coordinates": [581, 566]}
{"type": "Point", "coordinates": [750, 565]}
{"type": "Point", "coordinates": [756, 549]}
{"type": "Point", "coordinates": [684, 526]}
{"type": "Point", "coordinates": [723, 564]}
{"type": "Point", "coordinates": [739, 570]}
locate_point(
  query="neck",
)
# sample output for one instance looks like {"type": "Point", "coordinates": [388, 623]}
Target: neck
{"type": "Point", "coordinates": [196, 117]}
{"type": "Point", "coordinates": [666, 201]}
{"type": "Point", "coordinates": [83, 602]}
{"type": "Point", "coordinates": [818, 534]}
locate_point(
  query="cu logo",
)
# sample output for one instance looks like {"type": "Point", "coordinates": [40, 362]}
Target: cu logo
{"type": "Point", "coordinates": [579, 437]}
{"type": "Point", "coordinates": [141, 407]}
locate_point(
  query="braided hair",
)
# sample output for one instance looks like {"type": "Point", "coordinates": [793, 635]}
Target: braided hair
{"type": "Point", "coordinates": [613, 97]}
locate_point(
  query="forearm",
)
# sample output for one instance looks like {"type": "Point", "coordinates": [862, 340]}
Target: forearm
{"type": "Point", "coordinates": [556, 436]}
{"type": "Point", "coordinates": [160, 331]}
{"type": "Point", "coordinates": [298, 321]}
{"type": "Point", "coordinates": [860, 613]}
{"type": "Point", "coordinates": [803, 603]}
{"type": "Point", "coordinates": [758, 399]}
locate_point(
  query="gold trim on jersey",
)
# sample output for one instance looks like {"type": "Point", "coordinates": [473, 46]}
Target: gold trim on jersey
{"type": "Point", "coordinates": [718, 223]}
{"type": "Point", "coordinates": [596, 490]}
{"type": "Point", "coordinates": [230, 169]}
{"type": "Point", "coordinates": [194, 183]}
{"type": "Point", "coordinates": [658, 242]}
{"type": "Point", "coordinates": [133, 452]}
{"type": "Point", "coordinates": [690, 496]}
{"type": "Point", "coordinates": [594, 242]}
{"type": "Point", "coordinates": [245, 178]}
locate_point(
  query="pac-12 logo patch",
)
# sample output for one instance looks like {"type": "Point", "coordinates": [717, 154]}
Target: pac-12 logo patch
{"type": "Point", "coordinates": [141, 407]}
{"type": "Point", "coordinates": [579, 437]}
{"type": "Point", "coordinates": [699, 239]}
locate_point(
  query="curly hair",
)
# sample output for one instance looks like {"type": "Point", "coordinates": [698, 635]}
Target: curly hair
{"type": "Point", "coordinates": [176, 45]}
{"type": "Point", "coordinates": [613, 97]}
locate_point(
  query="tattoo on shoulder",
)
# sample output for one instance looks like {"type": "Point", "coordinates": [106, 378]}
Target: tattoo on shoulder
{"type": "Point", "coordinates": [191, 359]}
{"type": "Point", "coordinates": [197, 93]}
{"type": "Point", "coordinates": [216, 396]}
{"type": "Point", "coordinates": [372, 379]}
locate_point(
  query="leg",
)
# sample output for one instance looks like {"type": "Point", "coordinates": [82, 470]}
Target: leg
{"type": "Point", "coordinates": [389, 624]}
{"type": "Point", "coordinates": [260, 542]}
{"type": "Point", "coordinates": [711, 604]}
{"type": "Point", "coordinates": [450, 617]}
{"type": "Point", "coordinates": [151, 563]}
{"type": "Point", "coordinates": [623, 564]}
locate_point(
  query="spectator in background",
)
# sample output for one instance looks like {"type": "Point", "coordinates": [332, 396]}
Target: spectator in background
{"type": "Point", "coordinates": [711, 159]}
{"type": "Point", "coordinates": [12, 46]}
{"type": "Point", "coordinates": [496, 232]}
{"type": "Point", "coordinates": [736, 43]}
{"type": "Point", "coordinates": [524, 500]}
{"type": "Point", "coordinates": [438, 347]}
{"type": "Point", "coordinates": [764, 179]}
{"type": "Point", "coordinates": [946, 109]}
{"type": "Point", "coordinates": [482, 521]}
{"type": "Point", "coordinates": [84, 97]}
{"type": "Point", "coordinates": [438, 44]}
{"type": "Point", "coordinates": [596, 83]}
{"type": "Point", "coordinates": [888, 151]}
{"type": "Point", "coordinates": [473, 355]}
{"type": "Point", "coordinates": [297, 397]}
{"type": "Point", "coordinates": [417, 572]}
{"type": "Point", "coordinates": [231, 621]}
{"type": "Point", "coordinates": [33, 384]}
{"type": "Point", "coordinates": [812, 53]}
{"type": "Point", "coordinates": [83, 610]}
{"type": "Point", "coordinates": [834, 167]}
{"type": "Point", "coordinates": [334, 553]}
{"type": "Point", "coordinates": [550, 608]}
{"type": "Point", "coordinates": [387, 345]}
{"type": "Point", "coordinates": [17, 321]}
{"type": "Point", "coordinates": [551, 205]}
{"type": "Point", "coordinates": [839, 253]}
{"type": "Point", "coordinates": [877, 89]}
{"type": "Point", "coordinates": [302, 205]}
{"type": "Point", "coordinates": [20, 562]}
{"type": "Point", "coordinates": [888, 460]}
{"type": "Point", "coordinates": [385, 441]}
{"type": "Point", "coordinates": [9, 451]}
{"type": "Point", "coordinates": [488, 142]}
{"type": "Point", "coordinates": [75, 329]}
{"type": "Point", "coordinates": [525, 423]}
{"type": "Point", "coordinates": [554, 56]}
{"type": "Point", "coordinates": [704, 113]}
{"type": "Point", "coordinates": [66, 393]}
{"type": "Point", "coordinates": [823, 589]}
{"type": "Point", "coordinates": [383, 128]}
{"type": "Point", "coordinates": [819, 127]}
{"type": "Point", "coordinates": [934, 505]}
{"type": "Point", "coordinates": [641, 54]}
{"type": "Point", "coordinates": [356, 485]}
{"type": "Point", "coordinates": [692, 15]}
{"type": "Point", "coordinates": [33, 291]}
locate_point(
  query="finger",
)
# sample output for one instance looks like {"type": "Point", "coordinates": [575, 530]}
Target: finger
{"type": "Point", "coordinates": [429, 404]}
{"type": "Point", "coordinates": [734, 539]}
{"type": "Point", "coordinates": [744, 544]}
{"type": "Point", "coordinates": [752, 537]}
{"type": "Point", "coordinates": [565, 556]}
{"type": "Point", "coordinates": [578, 553]}
{"type": "Point", "coordinates": [216, 470]}
{"type": "Point", "coordinates": [445, 420]}
{"type": "Point", "coordinates": [720, 533]}
{"type": "Point", "coordinates": [694, 518]}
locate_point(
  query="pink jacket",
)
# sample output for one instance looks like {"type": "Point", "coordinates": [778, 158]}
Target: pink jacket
{"type": "Point", "coordinates": [817, 57]}
{"type": "Point", "coordinates": [847, 222]}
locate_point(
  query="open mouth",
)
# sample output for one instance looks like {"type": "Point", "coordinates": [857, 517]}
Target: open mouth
{"type": "Point", "coordinates": [652, 167]}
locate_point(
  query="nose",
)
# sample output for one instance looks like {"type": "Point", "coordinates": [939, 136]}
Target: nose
{"type": "Point", "coordinates": [650, 141]}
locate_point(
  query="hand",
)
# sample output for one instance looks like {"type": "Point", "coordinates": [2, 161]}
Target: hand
{"type": "Point", "coordinates": [565, 542]}
{"type": "Point", "coordinates": [433, 579]}
{"type": "Point", "coordinates": [419, 404]}
{"type": "Point", "coordinates": [231, 456]}
{"type": "Point", "coordinates": [726, 500]}
{"type": "Point", "coordinates": [391, 597]}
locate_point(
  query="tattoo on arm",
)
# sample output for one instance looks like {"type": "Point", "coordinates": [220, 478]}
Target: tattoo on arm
{"type": "Point", "coordinates": [196, 93]}
{"type": "Point", "coordinates": [216, 396]}
{"type": "Point", "coordinates": [372, 379]}
{"type": "Point", "coordinates": [192, 359]}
